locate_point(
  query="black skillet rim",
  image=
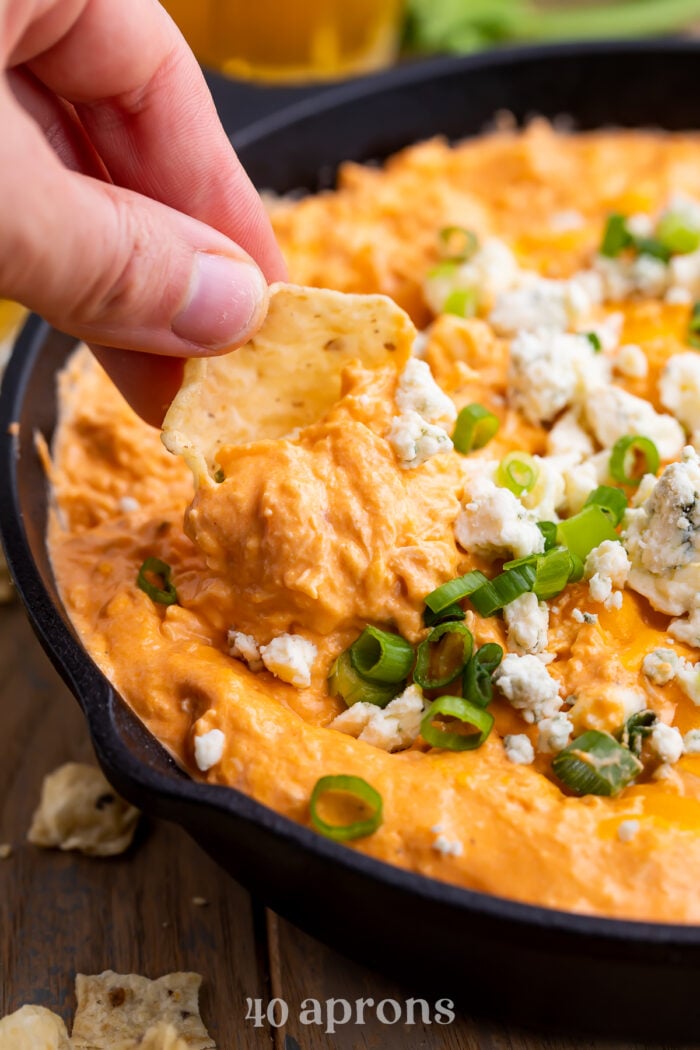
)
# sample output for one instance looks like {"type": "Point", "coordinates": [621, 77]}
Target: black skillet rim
{"type": "Point", "coordinates": [96, 696]}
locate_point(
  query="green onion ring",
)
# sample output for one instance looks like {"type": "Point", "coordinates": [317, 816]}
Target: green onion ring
{"type": "Point", "coordinates": [474, 428]}
{"type": "Point", "coordinates": [345, 682]}
{"type": "Point", "coordinates": [165, 595]}
{"type": "Point", "coordinates": [673, 231]}
{"type": "Point", "coordinates": [623, 454]}
{"type": "Point", "coordinates": [596, 764]}
{"type": "Point", "coordinates": [585, 530]}
{"type": "Point", "coordinates": [451, 659]}
{"type": "Point", "coordinates": [462, 302]}
{"type": "Point", "coordinates": [477, 682]}
{"type": "Point", "coordinates": [381, 656]}
{"type": "Point", "coordinates": [503, 589]}
{"type": "Point", "coordinates": [465, 243]}
{"type": "Point", "coordinates": [360, 790]}
{"type": "Point", "coordinates": [463, 711]}
{"type": "Point", "coordinates": [616, 236]}
{"type": "Point", "coordinates": [610, 500]}
{"type": "Point", "coordinates": [452, 613]}
{"type": "Point", "coordinates": [518, 472]}
{"type": "Point", "coordinates": [455, 590]}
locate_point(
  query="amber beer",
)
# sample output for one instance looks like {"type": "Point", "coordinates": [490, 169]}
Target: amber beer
{"type": "Point", "coordinates": [290, 41]}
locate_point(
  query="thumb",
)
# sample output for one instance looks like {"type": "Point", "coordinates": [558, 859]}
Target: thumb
{"type": "Point", "coordinates": [113, 267]}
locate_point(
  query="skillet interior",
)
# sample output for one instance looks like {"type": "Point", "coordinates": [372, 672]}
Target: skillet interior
{"type": "Point", "coordinates": [531, 964]}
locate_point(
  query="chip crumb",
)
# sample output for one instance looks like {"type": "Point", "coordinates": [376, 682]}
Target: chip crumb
{"type": "Point", "coordinates": [33, 1028]}
{"type": "Point", "coordinates": [79, 810]}
{"type": "Point", "coordinates": [130, 1012]}
{"type": "Point", "coordinates": [200, 902]}
{"type": "Point", "coordinates": [5, 850]}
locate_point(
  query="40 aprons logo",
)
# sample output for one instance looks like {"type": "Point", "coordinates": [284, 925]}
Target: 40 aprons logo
{"type": "Point", "coordinates": [329, 1014]}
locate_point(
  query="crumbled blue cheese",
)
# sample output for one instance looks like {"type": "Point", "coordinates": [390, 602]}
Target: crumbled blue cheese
{"type": "Point", "coordinates": [568, 438]}
{"type": "Point", "coordinates": [493, 522]}
{"type": "Point", "coordinates": [549, 370]}
{"type": "Point", "coordinates": [391, 728]}
{"type": "Point", "coordinates": [623, 278]}
{"type": "Point", "coordinates": [491, 270]}
{"type": "Point", "coordinates": [540, 303]}
{"type": "Point", "coordinates": [631, 361]}
{"type": "Point", "coordinates": [684, 273]}
{"type": "Point", "coordinates": [609, 331]}
{"type": "Point", "coordinates": [679, 389]}
{"type": "Point", "coordinates": [660, 666]}
{"type": "Point", "coordinates": [448, 847]}
{"type": "Point", "coordinates": [688, 629]}
{"type": "Point", "coordinates": [415, 441]}
{"type": "Point", "coordinates": [418, 392]}
{"type": "Point", "coordinates": [613, 413]}
{"type": "Point", "coordinates": [553, 734]}
{"type": "Point", "coordinates": [691, 742]}
{"type": "Point", "coordinates": [688, 677]}
{"type": "Point", "coordinates": [244, 647]}
{"type": "Point", "coordinates": [666, 743]}
{"type": "Point", "coordinates": [566, 221]}
{"type": "Point", "coordinates": [527, 621]}
{"type": "Point", "coordinates": [607, 567]}
{"type": "Point", "coordinates": [662, 538]}
{"type": "Point", "coordinates": [128, 505]}
{"type": "Point", "coordinates": [627, 829]}
{"type": "Point", "coordinates": [678, 296]}
{"type": "Point", "coordinates": [584, 617]}
{"type": "Point", "coordinates": [209, 749]}
{"type": "Point", "coordinates": [528, 685]}
{"type": "Point", "coordinates": [290, 657]}
{"type": "Point", "coordinates": [581, 478]}
{"type": "Point", "coordinates": [518, 748]}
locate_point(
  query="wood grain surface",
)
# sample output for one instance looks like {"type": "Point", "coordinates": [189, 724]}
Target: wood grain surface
{"type": "Point", "coordinates": [65, 913]}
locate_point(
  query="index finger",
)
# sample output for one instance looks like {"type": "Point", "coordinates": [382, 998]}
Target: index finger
{"type": "Point", "coordinates": [143, 100]}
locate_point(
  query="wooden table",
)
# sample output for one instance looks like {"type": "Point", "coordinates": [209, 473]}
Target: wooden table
{"type": "Point", "coordinates": [65, 913]}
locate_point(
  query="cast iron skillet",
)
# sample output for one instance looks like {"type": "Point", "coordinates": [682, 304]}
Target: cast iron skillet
{"type": "Point", "coordinates": [530, 964]}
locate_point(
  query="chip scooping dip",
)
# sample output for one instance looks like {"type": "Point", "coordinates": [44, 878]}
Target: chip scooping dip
{"type": "Point", "coordinates": [119, 1011]}
{"type": "Point", "coordinates": [287, 375]}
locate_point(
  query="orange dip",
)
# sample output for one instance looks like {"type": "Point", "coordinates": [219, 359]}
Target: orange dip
{"type": "Point", "coordinates": [323, 532]}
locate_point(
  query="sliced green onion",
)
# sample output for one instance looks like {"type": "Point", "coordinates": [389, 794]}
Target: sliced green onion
{"type": "Point", "coordinates": [518, 472]}
{"type": "Point", "coordinates": [459, 243]}
{"type": "Point", "coordinates": [549, 531]}
{"type": "Point", "coordinates": [586, 530]}
{"type": "Point", "coordinates": [676, 235]}
{"type": "Point", "coordinates": [553, 572]}
{"type": "Point", "coordinates": [359, 790]}
{"type": "Point", "coordinates": [474, 428]}
{"type": "Point", "coordinates": [381, 656]}
{"type": "Point", "coordinates": [477, 683]}
{"type": "Point", "coordinates": [595, 764]}
{"type": "Point", "coordinates": [694, 326]}
{"type": "Point", "coordinates": [443, 655]}
{"type": "Point", "coordinates": [462, 302]}
{"type": "Point", "coordinates": [632, 457]}
{"type": "Point", "coordinates": [452, 613]}
{"type": "Point", "coordinates": [455, 590]}
{"type": "Point", "coordinates": [165, 595]}
{"type": "Point", "coordinates": [594, 339]}
{"type": "Point", "coordinates": [611, 501]}
{"type": "Point", "coordinates": [616, 237]}
{"type": "Point", "coordinates": [345, 682]}
{"type": "Point", "coordinates": [503, 589]}
{"type": "Point", "coordinates": [577, 568]}
{"type": "Point", "coordinates": [463, 711]}
{"type": "Point", "coordinates": [446, 268]}
{"type": "Point", "coordinates": [653, 247]}
{"type": "Point", "coordinates": [636, 729]}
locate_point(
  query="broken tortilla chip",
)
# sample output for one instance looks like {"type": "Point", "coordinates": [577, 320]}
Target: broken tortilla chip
{"type": "Point", "coordinates": [80, 810]}
{"type": "Point", "coordinates": [33, 1028]}
{"type": "Point", "coordinates": [287, 376]}
{"type": "Point", "coordinates": [118, 1012]}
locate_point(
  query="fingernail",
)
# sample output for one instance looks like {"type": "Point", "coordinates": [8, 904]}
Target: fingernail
{"type": "Point", "coordinates": [226, 296]}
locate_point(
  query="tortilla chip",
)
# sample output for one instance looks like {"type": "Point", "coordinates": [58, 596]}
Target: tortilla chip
{"type": "Point", "coordinates": [79, 810]}
{"type": "Point", "coordinates": [116, 1011]}
{"type": "Point", "coordinates": [34, 1028]}
{"type": "Point", "coordinates": [288, 375]}
{"type": "Point", "coordinates": [161, 1037]}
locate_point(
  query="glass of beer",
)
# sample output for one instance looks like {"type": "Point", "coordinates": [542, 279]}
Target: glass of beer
{"type": "Point", "coordinates": [292, 41]}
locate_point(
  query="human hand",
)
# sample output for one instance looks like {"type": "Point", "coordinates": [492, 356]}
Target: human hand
{"type": "Point", "coordinates": [126, 217]}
